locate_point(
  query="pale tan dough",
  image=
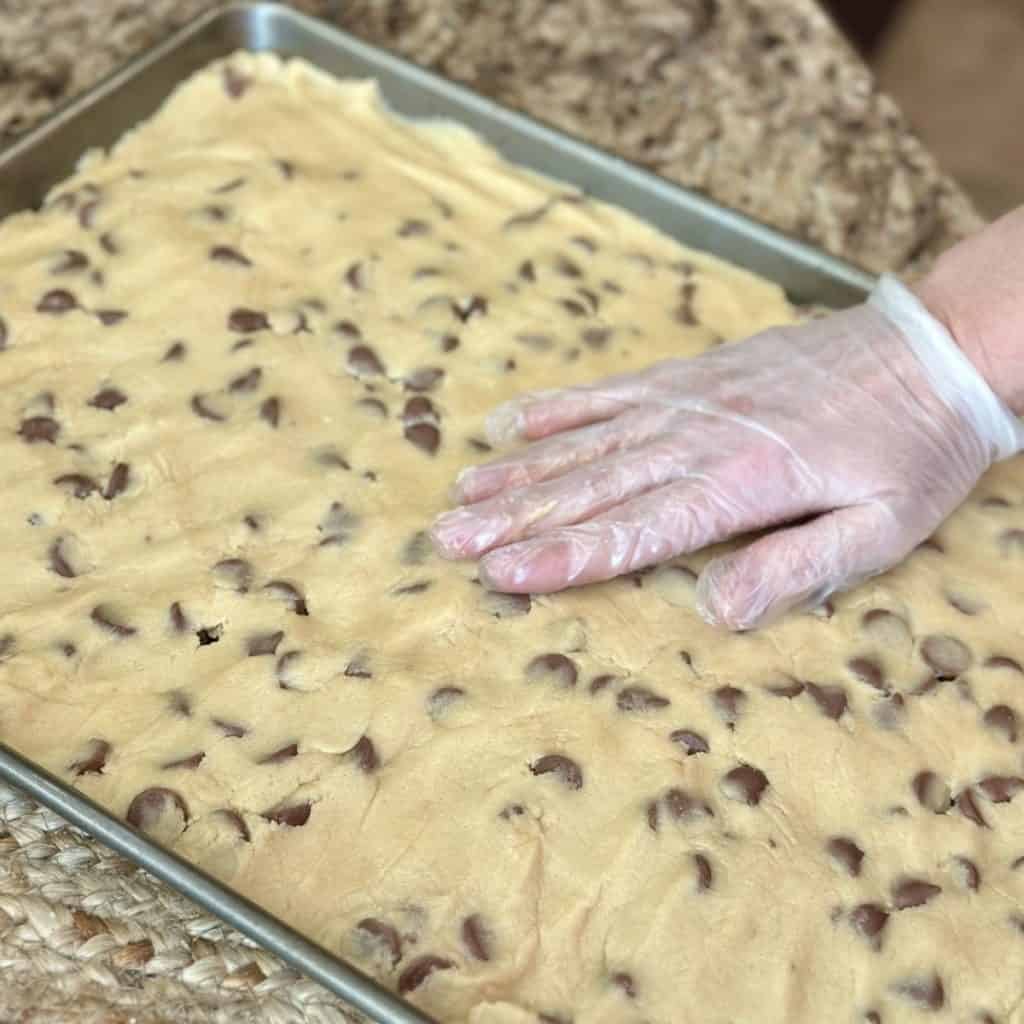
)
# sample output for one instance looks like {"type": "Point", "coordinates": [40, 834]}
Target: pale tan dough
{"type": "Point", "coordinates": [590, 806]}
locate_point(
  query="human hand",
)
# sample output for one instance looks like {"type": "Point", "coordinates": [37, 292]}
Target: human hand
{"type": "Point", "coordinates": [870, 425]}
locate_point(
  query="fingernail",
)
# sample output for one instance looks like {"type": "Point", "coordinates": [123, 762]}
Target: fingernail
{"type": "Point", "coordinates": [457, 493]}
{"type": "Point", "coordinates": [507, 423]}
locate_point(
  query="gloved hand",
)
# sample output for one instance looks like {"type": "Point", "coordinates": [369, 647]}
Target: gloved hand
{"type": "Point", "coordinates": [870, 421]}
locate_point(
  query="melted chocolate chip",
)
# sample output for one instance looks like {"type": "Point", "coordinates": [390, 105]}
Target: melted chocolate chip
{"type": "Point", "coordinates": [625, 982]}
{"type": "Point", "coordinates": [106, 620]}
{"type": "Point", "coordinates": [365, 755]}
{"type": "Point", "coordinates": [968, 807]}
{"type": "Point", "coordinates": [413, 228]}
{"type": "Point", "coordinates": [965, 873]}
{"type": "Point", "coordinates": [1003, 720]}
{"type": "Point", "coordinates": [869, 920]}
{"type": "Point", "coordinates": [234, 82]}
{"type": "Point", "coordinates": [705, 876]}
{"type": "Point", "coordinates": [235, 821]}
{"type": "Point", "coordinates": [424, 436]}
{"type": "Point", "coordinates": [235, 574]}
{"type": "Point", "coordinates": [419, 970]}
{"type": "Point", "coordinates": [247, 321]}
{"type": "Point", "coordinates": [846, 854]}
{"type": "Point", "coordinates": [553, 668]}
{"type": "Point", "coordinates": [270, 411]}
{"type": "Point", "coordinates": [639, 698]}
{"type": "Point", "coordinates": [364, 362]}
{"type": "Point", "coordinates": [292, 815]}
{"type": "Point", "coordinates": [248, 381]}
{"type": "Point", "coordinates": [924, 991]}
{"type": "Point", "coordinates": [94, 760]}
{"type": "Point", "coordinates": [175, 353]}
{"type": "Point", "coordinates": [831, 700]}
{"type": "Point", "coordinates": [261, 644]}
{"type": "Point", "coordinates": [110, 317]}
{"type": "Point", "coordinates": [70, 262]}
{"type": "Point", "coordinates": [567, 770]}
{"type": "Point", "coordinates": [476, 937]}
{"type": "Point", "coordinates": [209, 635]}
{"type": "Point", "coordinates": [384, 935]}
{"type": "Point", "coordinates": [230, 729]}
{"type": "Point", "coordinates": [745, 784]}
{"type": "Point", "coordinates": [108, 244]}
{"type": "Point", "coordinates": [288, 593]}
{"type": "Point", "coordinates": [946, 656]}
{"type": "Point", "coordinates": [867, 670]}
{"type": "Point", "coordinates": [1000, 661]}
{"type": "Point", "coordinates": [179, 703]}
{"type": "Point", "coordinates": [285, 753]}
{"type": "Point", "coordinates": [681, 806]}
{"type": "Point", "coordinates": [913, 892]}
{"type": "Point", "coordinates": [466, 309]}
{"type": "Point", "coordinates": [602, 682]}
{"type": "Point", "coordinates": [200, 407]}
{"type": "Point", "coordinates": [108, 398]}
{"type": "Point", "coordinates": [788, 690]}
{"type": "Point", "coordinates": [729, 702]}
{"type": "Point", "coordinates": [691, 742]}
{"type": "Point", "coordinates": [443, 699]}
{"type": "Point", "coordinates": [152, 805]}
{"type": "Point", "coordinates": [4, 334]}
{"type": "Point", "coordinates": [56, 302]}
{"type": "Point", "coordinates": [426, 378]}
{"type": "Point", "coordinates": [190, 763]}
{"type": "Point", "coordinates": [932, 792]}
{"type": "Point", "coordinates": [355, 277]}
{"type": "Point", "coordinates": [78, 484]}
{"type": "Point", "coordinates": [1001, 789]}
{"type": "Point", "coordinates": [39, 429]}
{"type": "Point", "coordinates": [59, 563]}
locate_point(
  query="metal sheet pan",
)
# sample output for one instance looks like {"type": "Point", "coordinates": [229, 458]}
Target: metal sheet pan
{"type": "Point", "coordinates": [48, 154]}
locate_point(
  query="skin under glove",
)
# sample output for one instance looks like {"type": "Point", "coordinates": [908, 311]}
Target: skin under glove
{"type": "Point", "coordinates": [855, 434]}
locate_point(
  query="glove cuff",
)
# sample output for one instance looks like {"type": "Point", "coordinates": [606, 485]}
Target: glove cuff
{"type": "Point", "coordinates": [952, 375]}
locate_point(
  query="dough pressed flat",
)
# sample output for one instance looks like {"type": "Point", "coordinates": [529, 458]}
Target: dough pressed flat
{"type": "Point", "coordinates": [242, 358]}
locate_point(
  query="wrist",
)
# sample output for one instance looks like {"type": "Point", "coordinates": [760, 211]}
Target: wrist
{"type": "Point", "coordinates": [976, 291]}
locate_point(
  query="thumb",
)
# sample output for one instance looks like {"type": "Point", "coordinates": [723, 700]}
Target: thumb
{"type": "Point", "coordinates": [799, 567]}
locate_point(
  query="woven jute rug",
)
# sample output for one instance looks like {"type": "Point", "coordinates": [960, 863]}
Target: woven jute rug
{"type": "Point", "coordinates": [757, 102]}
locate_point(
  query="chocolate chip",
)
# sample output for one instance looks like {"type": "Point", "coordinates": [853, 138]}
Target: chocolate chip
{"type": "Point", "coordinates": [924, 991]}
{"type": "Point", "coordinates": [189, 763]}
{"type": "Point", "coordinates": [913, 892]}
{"type": "Point", "coordinates": [413, 228]}
{"type": "Point", "coordinates": [566, 267]}
{"type": "Point", "coordinates": [553, 668]}
{"type": "Point", "coordinates": [247, 321]}
{"type": "Point", "coordinates": [348, 329]}
{"type": "Point", "coordinates": [426, 378]}
{"type": "Point", "coordinates": [526, 271]}
{"type": "Point", "coordinates": [424, 436]}
{"type": "Point", "coordinates": [567, 770]}
{"type": "Point", "coordinates": [867, 670]}
{"type": "Point", "coordinates": [1001, 789]}
{"type": "Point", "coordinates": [846, 854]}
{"type": "Point", "coordinates": [70, 262]}
{"type": "Point", "coordinates": [292, 815]}
{"type": "Point", "coordinates": [419, 970]}
{"type": "Point", "coordinates": [287, 169]}
{"type": "Point", "coordinates": [234, 573]}
{"type": "Point", "coordinates": [729, 702]}
{"type": "Point", "coordinates": [59, 562]}
{"type": "Point", "coordinates": [1011, 542]}
{"type": "Point", "coordinates": [209, 635]}
{"type": "Point", "coordinates": [270, 411]}
{"type": "Point", "coordinates": [536, 342]}
{"type": "Point", "coordinates": [466, 309]}
{"type": "Point", "coordinates": [639, 698]}
{"type": "Point", "coordinates": [110, 317]}
{"type": "Point", "coordinates": [288, 593]}
{"type": "Point", "coordinates": [476, 938]}
{"type": "Point", "coordinates": [56, 302]}
{"type": "Point", "coordinates": [745, 784]}
{"type": "Point", "coordinates": [261, 644]}
{"type": "Point", "coordinates": [506, 606]}
{"type": "Point", "coordinates": [235, 821]}
{"type": "Point", "coordinates": [449, 343]}
{"type": "Point", "coordinates": [572, 307]}
{"type": "Point", "coordinates": [363, 361]}
{"type": "Point", "coordinates": [201, 407]}
{"type": "Point", "coordinates": [788, 690]}
{"type": "Point", "coordinates": [443, 699]}
{"type": "Point", "coordinates": [234, 82]}
{"type": "Point", "coordinates": [869, 920]}
{"type": "Point", "coordinates": [108, 398]}
{"type": "Point", "coordinates": [93, 760]}
{"type": "Point", "coordinates": [285, 753]}
{"type": "Point", "coordinates": [365, 755]}
{"type": "Point", "coordinates": [4, 334]}
{"type": "Point", "coordinates": [39, 429]}
{"type": "Point", "coordinates": [602, 682]}
{"type": "Point", "coordinates": [968, 807]}
{"type": "Point", "coordinates": [87, 213]}
{"type": "Point", "coordinates": [230, 729]}
{"type": "Point", "coordinates": [965, 873]}
{"type": "Point", "coordinates": [108, 244]}
{"type": "Point", "coordinates": [886, 626]}
{"type": "Point", "coordinates": [355, 277]}
{"type": "Point", "coordinates": [106, 619]}
{"type": "Point", "coordinates": [229, 186]}
{"type": "Point", "coordinates": [946, 656]}
{"type": "Point", "coordinates": [479, 446]}
{"type": "Point", "coordinates": [151, 805]}
{"type": "Point", "coordinates": [1000, 661]}
{"type": "Point", "coordinates": [78, 484]}
{"type": "Point", "coordinates": [625, 982]}
{"type": "Point", "coordinates": [118, 482]}
{"type": "Point", "coordinates": [705, 876]}
{"type": "Point", "coordinates": [248, 381]}
{"type": "Point", "coordinates": [831, 700]}
{"type": "Point", "coordinates": [681, 806]}
{"type": "Point", "coordinates": [179, 703]}
{"type": "Point", "coordinates": [384, 935]}
{"type": "Point", "coordinates": [179, 620]}
{"type": "Point", "coordinates": [932, 792]}
{"type": "Point", "coordinates": [175, 353]}
{"type": "Point", "coordinates": [596, 338]}
{"type": "Point", "coordinates": [691, 742]}
{"type": "Point", "coordinates": [1002, 719]}
{"type": "Point", "coordinates": [6, 645]}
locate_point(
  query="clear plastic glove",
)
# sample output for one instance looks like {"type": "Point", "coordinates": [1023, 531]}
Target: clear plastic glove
{"type": "Point", "coordinates": [870, 426]}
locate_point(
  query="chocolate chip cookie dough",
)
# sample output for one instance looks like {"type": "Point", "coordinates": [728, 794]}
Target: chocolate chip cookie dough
{"type": "Point", "coordinates": [241, 359]}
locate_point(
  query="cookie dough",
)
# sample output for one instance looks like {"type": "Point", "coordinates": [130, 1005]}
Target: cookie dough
{"type": "Point", "coordinates": [242, 357]}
